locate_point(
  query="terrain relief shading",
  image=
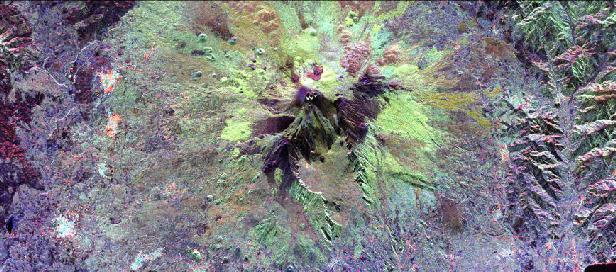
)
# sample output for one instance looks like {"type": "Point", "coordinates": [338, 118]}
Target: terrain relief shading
{"type": "Point", "coordinates": [307, 136]}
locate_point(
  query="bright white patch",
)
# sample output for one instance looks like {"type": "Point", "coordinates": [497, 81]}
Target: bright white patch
{"type": "Point", "coordinates": [102, 169]}
{"type": "Point", "coordinates": [64, 227]}
{"type": "Point", "coordinates": [142, 258]}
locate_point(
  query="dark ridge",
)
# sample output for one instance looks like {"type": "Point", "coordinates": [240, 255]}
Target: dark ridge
{"type": "Point", "coordinates": [324, 231]}
{"type": "Point", "coordinates": [83, 85]}
{"type": "Point", "coordinates": [272, 125]}
{"type": "Point", "coordinates": [490, 9]}
{"type": "Point", "coordinates": [96, 17]}
{"type": "Point", "coordinates": [10, 224]}
{"type": "Point", "coordinates": [281, 156]}
{"type": "Point", "coordinates": [353, 116]}
{"type": "Point", "coordinates": [369, 86]}
{"type": "Point", "coordinates": [277, 155]}
{"type": "Point", "coordinates": [601, 267]}
{"type": "Point", "coordinates": [487, 9]}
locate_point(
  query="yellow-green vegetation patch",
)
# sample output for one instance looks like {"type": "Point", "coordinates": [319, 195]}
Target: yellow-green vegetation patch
{"type": "Point", "coordinates": [238, 127]}
{"type": "Point", "coordinates": [404, 117]}
{"type": "Point", "coordinates": [411, 139]}
{"type": "Point", "coordinates": [302, 46]}
{"type": "Point", "coordinates": [433, 55]}
{"type": "Point", "coordinates": [236, 131]}
{"type": "Point", "coordinates": [459, 101]}
{"type": "Point", "coordinates": [424, 78]}
{"type": "Point", "coordinates": [243, 82]}
{"type": "Point", "coordinates": [448, 101]}
{"type": "Point", "coordinates": [409, 75]}
{"type": "Point", "coordinates": [278, 176]}
{"type": "Point", "coordinates": [401, 7]}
